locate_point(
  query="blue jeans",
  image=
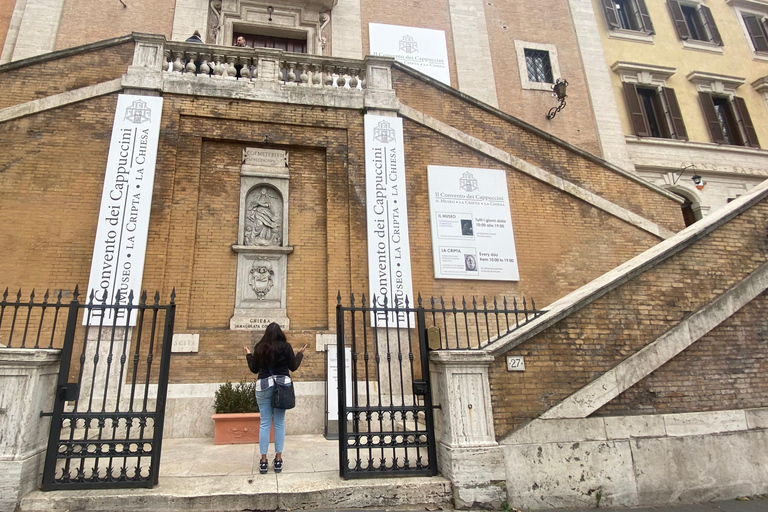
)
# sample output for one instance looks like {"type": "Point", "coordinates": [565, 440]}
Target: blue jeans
{"type": "Point", "coordinates": [268, 414]}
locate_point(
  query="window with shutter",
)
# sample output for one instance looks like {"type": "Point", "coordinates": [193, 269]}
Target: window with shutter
{"type": "Point", "coordinates": [627, 15]}
{"type": "Point", "coordinates": [654, 112]}
{"type": "Point", "coordinates": [673, 111]}
{"type": "Point", "coordinates": [677, 16]}
{"type": "Point", "coordinates": [756, 32]}
{"type": "Point", "coordinates": [711, 26]}
{"type": "Point", "coordinates": [745, 121]}
{"type": "Point", "coordinates": [636, 113]}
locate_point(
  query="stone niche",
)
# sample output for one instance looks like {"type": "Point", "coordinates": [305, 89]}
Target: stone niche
{"type": "Point", "coordinates": [262, 241]}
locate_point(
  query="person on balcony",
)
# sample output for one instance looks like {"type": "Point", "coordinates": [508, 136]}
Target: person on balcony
{"type": "Point", "coordinates": [195, 38]}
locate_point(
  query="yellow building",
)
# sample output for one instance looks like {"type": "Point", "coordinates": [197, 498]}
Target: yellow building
{"type": "Point", "coordinates": [688, 80]}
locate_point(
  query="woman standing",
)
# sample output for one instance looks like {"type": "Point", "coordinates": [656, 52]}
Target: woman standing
{"type": "Point", "coordinates": [273, 359]}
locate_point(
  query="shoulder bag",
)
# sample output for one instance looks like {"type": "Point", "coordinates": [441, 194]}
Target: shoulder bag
{"type": "Point", "coordinates": [284, 396]}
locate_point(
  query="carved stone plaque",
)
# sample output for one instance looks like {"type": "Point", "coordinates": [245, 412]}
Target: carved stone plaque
{"type": "Point", "coordinates": [263, 157]}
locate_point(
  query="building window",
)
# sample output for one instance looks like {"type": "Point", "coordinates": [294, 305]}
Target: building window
{"type": "Point", "coordinates": [655, 112]}
{"type": "Point", "coordinates": [538, 65]}
{"type": "Point", "coordinates": [627, 15]}
{"type": "Point", "coordinates": [694, 21]}
{"type": "Point", "coordinates": [757, 28]}
{"type": "Point", "coordinates": [728, 120]}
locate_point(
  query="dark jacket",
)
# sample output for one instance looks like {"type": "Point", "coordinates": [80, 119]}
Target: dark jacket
{"type": "Point", "coordinates": [285, 362]}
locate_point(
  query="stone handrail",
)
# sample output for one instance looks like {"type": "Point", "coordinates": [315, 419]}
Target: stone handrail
{"type": "Point", "coordinates": [263, 64]}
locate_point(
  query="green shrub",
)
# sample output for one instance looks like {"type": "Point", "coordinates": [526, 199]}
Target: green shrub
{"type": "Point", "coordinates": [235, 398]}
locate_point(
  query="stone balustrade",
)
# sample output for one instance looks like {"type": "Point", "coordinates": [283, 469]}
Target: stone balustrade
{"type": "Point", "coordinates": [263, 64]}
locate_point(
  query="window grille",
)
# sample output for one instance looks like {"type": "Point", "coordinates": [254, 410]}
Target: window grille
{"type": "Point", "coordinates": [539, 66]}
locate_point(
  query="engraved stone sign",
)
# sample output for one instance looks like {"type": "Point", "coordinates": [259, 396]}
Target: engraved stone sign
{"type": "Point", "coordinates": [263, 157]}
{"type": "Point", "coordinates": [185, 343]}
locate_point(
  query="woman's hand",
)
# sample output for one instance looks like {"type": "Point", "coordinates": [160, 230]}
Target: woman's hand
{"type": "Point", "coordinates": [247, 350]}
{"type": "Point", "coordinates": [302, 349]}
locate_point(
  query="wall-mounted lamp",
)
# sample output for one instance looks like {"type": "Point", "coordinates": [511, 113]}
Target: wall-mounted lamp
{"type": "Point", "coordinates": [270, 10]}
{"type": "Point", "coordinates": [698, 181]}
{"type": "Point", "coordinates": [559, 92]}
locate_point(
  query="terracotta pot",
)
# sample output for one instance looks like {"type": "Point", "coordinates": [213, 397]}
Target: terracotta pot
{"type": "Point", "coordinates": [238, 428]}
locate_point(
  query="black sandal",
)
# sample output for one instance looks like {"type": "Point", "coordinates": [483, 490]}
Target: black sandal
{"type": "Point", "coordinates": [278, 464]}
{"type": "Point", "coordinates": [263, 466]}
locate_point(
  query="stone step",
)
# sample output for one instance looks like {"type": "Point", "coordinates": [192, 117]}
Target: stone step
{"type": "Point", "coordinates": [292, 491]}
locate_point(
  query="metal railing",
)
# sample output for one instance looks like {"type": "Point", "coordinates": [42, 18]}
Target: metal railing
{"type": "Point", "coordinates": [30, 323]}
{"type": "Point", "coordinates": [461, 325]}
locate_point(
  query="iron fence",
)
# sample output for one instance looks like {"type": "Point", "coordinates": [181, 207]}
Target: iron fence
{"type": "Point", "coordinates": [30, 323]}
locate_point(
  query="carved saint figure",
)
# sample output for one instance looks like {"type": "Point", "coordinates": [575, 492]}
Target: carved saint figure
{"type": "Point", "coordinates": [260, 278]}
{"type": "Point", "coordinates": [263, 226]}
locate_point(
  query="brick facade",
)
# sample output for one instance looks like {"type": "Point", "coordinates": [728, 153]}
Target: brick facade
{"type": "Point", "coordinates": [720, 371]}
{"type": "Point", "coordinates": [72, 71]}
{"type": "Point", "coordinates": [51, 180]}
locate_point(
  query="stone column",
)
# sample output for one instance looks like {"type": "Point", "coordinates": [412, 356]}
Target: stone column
{"type": "Point", "coordinates": [27, 387]}
{"type": "Point", "coordinates": [467, 451]}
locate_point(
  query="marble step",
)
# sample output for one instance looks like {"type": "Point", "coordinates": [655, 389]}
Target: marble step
{"type": "Point", "coordinates": [290, 491]}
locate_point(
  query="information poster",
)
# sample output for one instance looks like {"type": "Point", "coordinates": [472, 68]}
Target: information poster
{"type": "Point", "coordinates": [389, 249]}
{"type": "Point", "coordinates": [126, 201]}
{"type": "Point", "coordinates": [471, 224]}
{"type": "Point", "coordinates": [422, 49]}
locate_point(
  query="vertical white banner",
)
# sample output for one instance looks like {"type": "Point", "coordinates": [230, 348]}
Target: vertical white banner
{"type": "Point", "coordinates": [126, 201]}
{"type": "Point", "coordinates": [389, 250]}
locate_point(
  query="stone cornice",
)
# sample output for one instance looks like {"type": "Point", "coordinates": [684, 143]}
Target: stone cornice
{"type": "Point", "coordinates": [714, 82]}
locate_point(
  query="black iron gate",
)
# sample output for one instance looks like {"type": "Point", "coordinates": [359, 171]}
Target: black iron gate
{"type": "Point", "coordinates": [389, 427]}
{"type": "Point", "coordinates": [107, 420]}
{"type": "Point", "coordinates": [389, 424]}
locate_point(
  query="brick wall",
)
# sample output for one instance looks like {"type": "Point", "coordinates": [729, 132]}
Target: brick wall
{"type": "Point", "coordinates": [537, 150]}
{"type": "Point", "coordinates": [532, 21]}
{"type": "Point", "coordinates": [64, 74]}
{"type": "Point", "coordinates": [721, 371]}
{"type": "Point", "coordinates": [51, 181]}
{"type": "Point", "coordinates": [83, 21]}
{"type": "Point", "coordinates": [6, 12]}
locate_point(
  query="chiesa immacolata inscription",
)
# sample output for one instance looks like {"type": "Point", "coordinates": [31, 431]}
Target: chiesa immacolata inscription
{"type": "Point", "coordinates": [262, 242]}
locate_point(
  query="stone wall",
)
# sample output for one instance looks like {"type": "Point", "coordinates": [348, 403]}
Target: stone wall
{"type": "Point", "coordinates": [576, 350]}
{"type": "Point", "coordinates": [644, 460]}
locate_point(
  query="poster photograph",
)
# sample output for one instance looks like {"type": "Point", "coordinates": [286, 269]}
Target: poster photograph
{"type": "Point", "coordinates": [422, 49]}
{"type": "Point", "coordinates": [472, 235]}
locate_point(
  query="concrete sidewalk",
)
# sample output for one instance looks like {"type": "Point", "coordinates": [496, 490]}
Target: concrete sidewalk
{"type": "Point", "coordinates": [197, 475]}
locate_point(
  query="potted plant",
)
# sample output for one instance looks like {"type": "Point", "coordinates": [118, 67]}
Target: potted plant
{"type": "Point", "coordinates": [237, 416]}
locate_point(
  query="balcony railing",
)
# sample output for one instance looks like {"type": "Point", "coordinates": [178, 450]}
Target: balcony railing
{"type": "Point", "coordinates": [264, 64]}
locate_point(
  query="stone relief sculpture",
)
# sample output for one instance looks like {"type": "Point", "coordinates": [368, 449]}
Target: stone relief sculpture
{"type": "Point", "coordinates": [262, 242]}
{"type": "Point", "coordinates": [214, 22]}
{"type": "Point", "coordinates": [260, 277]}
{"type": "Point", "coordinates": [263, 225]}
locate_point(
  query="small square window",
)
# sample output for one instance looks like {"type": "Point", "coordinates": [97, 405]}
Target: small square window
{"type": "Point", "coordinates": [538, 64]}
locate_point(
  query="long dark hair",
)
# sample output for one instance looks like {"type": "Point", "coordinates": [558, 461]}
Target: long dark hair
{"type": "Point", "coordinates": [266, 348]}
